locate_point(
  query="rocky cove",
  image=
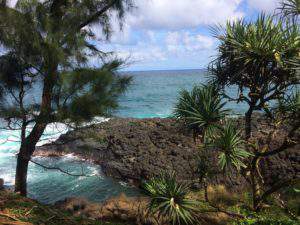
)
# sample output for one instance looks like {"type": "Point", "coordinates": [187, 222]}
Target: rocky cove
{"type": "Point", "coordinates": [133, 150]}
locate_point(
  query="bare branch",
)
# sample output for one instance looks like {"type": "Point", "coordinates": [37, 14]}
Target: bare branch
{"type": "Point", "coordinates": [61, 170]}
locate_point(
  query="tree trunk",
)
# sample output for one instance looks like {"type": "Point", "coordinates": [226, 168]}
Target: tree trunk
{"type": "Point", "coordinates": [248, 121]}
{"type": "Point", "coordinates": [29, 143]}
{"type": "Point", "coordinates": [27, 148]}
{"type": "Point", "coordinates": [21, 174]}
{"type": "Point", "coordinates": [255, 191]}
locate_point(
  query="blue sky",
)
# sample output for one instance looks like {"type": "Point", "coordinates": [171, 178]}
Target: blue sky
{"type": "Point", "coordinates": [175, 34]}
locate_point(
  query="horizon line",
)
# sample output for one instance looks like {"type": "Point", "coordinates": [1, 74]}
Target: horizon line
{"type": "Point", "coordinates": [154, 70]}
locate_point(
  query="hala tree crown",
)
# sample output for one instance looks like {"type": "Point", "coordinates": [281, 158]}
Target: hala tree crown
{"type": "Point", "coordinates": [47, 45]}
{"type": "Point", "coordinates": [255, 56]}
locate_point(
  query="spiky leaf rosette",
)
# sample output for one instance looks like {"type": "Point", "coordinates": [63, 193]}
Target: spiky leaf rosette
{"type": "Point", "coordinates": [202, 109]}
{"type": "Point", "coordinates": [230, 145]}
{"type": "Point", "coordinates": [169, 199]}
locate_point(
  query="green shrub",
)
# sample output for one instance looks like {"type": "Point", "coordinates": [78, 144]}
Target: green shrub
{"type": "Point", "coordinates": [201, 109]}
{"type": "Point", "coordinates": [169, 199]}
{"type": "Point", "coordinates": [228, 141]}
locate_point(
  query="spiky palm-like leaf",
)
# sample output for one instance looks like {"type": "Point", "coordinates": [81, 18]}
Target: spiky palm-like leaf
{"type": "Point", "coordinates": [248, 49]}
{"type": "Point", "coordinates": [201, 109]}
{"type": "Point", "coordinates": [169, 199]}
{"type": "Point", "coordinates": [230, 144]}
{"type": "Point", "coordinates": [255, 57]}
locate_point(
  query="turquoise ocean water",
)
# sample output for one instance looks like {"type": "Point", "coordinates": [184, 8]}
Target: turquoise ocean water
{"type": "Point", "coordinates": [152, 94]}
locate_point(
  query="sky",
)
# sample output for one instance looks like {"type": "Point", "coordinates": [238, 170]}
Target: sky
{"type": "Point", "coordinates": [176, 34]}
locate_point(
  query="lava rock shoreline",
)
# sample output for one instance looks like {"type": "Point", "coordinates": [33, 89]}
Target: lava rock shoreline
{"type": "Point", "coordinates": [133, 150]}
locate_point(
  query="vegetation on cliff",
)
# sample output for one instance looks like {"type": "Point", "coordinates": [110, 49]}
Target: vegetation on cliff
{"type": "Point", "coordinates": [256, 57]}
{"type": "Point", "coordinates": [47, 45]}
{"type": "Point", "coordinates": [261, 58]}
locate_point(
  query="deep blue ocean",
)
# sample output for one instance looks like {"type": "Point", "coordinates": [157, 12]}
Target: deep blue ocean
{"type": "Point", "coordinates": [152, 94]}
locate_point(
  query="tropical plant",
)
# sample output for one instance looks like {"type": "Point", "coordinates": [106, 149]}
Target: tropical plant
{"type": "Point", "coordinates": [202, 109]}
{"type": "Point", "coordinates": [45, 70]}
{"type": "Point", "coordinates": [253, 56]}
{"type": "Point", "coordinates": [169, 199]}
{"type": "Point", "coordinates": [228, 141]}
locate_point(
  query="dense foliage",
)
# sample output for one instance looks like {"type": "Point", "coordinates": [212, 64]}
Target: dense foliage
{"type": "Point", "coordinates": [255, 56]}
{"type": "Point", "coordinates": [202, 109]}
{"type": "Point", "coordinates": [46, 72]}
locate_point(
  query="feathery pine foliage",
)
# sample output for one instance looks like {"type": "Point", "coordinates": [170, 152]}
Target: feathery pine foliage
{"type": "Point", "coordinates": [254, 57]}
{"type": "Point", "coordinates": [169, 199]}
{"type": "Point", "coordinates": [45, 68]}
{"type": "Point", "coordinates": [202, 109]}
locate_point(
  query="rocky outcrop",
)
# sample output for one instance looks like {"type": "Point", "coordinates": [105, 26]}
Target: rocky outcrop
{"type": "Point", "coordinates": [132, 149]}
{"type": "Point", "coordinates": [136, 149]}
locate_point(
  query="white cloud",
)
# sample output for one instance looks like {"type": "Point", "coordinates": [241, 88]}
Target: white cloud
{"type": "Point", "coordinates": [143, 53]}
{"type": "Point", "coordinates": [183, 42]}
{"type": "Point", "coordinates": [264, 5]}
{"type": "Point", "coordinates": [178, 14]}
{"type": "Point", "coordinates": [160, 48]}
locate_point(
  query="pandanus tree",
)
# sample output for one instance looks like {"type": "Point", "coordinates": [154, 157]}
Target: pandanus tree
{"type": "Point", "coordinates": [201, 109]}
{"type": "Point", "coordinates": [45, 70]}
{"type": "Point", "coordinates": [261, 58]}
{"type": "Point", "coordinates": [255, 57]}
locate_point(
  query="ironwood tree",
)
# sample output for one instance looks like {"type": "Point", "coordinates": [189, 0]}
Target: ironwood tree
{"type": "Point", "coordinates": [45, 70]}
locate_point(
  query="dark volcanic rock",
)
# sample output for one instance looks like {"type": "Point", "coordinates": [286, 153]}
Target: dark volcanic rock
{"type": "Point", "coordinates": [136, 149]}
{"type": "Point", "coordinates": [131, 149]}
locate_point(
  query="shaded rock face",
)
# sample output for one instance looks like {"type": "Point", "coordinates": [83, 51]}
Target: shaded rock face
{"type": "Point", "coordinates": [136, 149]}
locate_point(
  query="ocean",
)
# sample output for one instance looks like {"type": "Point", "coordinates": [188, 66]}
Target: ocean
{"type": "Point", "coordinates": [152, 94]}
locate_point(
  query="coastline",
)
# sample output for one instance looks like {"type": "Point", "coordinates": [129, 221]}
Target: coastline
{"type": "Point", "coordinates": [133, 150]}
